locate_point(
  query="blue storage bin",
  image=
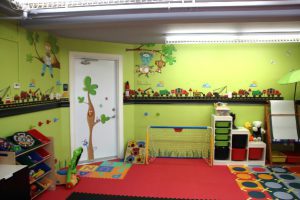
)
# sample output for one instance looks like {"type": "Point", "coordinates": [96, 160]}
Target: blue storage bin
{"type": "Point", "coordinates": [35, 157]}
{"type": "Point", "coordinates": [43, 167]}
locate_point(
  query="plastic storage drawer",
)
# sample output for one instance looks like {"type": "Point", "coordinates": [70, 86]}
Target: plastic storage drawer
{"type": "Point", "coordinates": [222, 137]}
{"type": "Point", "coordinates": [221, 153]}
{"type": "Point", "coordinates": [238, 154]}
{"type": "Point", "coordinates": [222, 131]}
{"type": "Point", "coordinates": [221, 143]}
{"type": "Point", "coordinates": [223, 124]}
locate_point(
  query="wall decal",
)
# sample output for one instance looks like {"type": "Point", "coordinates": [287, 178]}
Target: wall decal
{"type": "Point", "coordinates": [55, 119]}
{"type": "Point", "coordinates": [49, 59]}
{"type": "Point", "coordinates": [40, 123]}
{"type": "Point", "coordinates": [206, 85]}
{"type": "Point", "coordinates": [253, 84]}
{"type": "Point", "coordinates": [91, 116]}
{"type": "Point", "coordinates": [31, 127]}
{"type": "Point", "coordinates": [160, 84]}
{"type": "Point", "coordinates": [31, 83]}
{"type": "Point", "coordinates": [58, 83]}
{"type": "Point", "coordinates": [143, 82]}
{"type": "Point", "coordinates": [289, 52]}
{"type": "Point", "coordinates": [146, 114]}
{"type": "Point", "coordinates": [147, 53]}
{"type": "Point", "coordinates": [48, 121]}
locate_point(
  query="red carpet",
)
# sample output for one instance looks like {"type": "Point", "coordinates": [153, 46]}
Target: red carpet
{"type": "Point", "coordinates": [165, 177]}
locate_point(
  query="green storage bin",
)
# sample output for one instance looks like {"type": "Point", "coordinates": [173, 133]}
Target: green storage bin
{"type": "Point", "coordinates": [223, 131]}
{"type": "Point", "coordinates": [222, 137]}
{"type": "Point", "coordinates": [222, 143]}
{"type": "Point", "coordinates": [223, 124]}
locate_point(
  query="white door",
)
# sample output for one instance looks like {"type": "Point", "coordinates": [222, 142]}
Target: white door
{"type": "Point", "coordinates": [94, 108]}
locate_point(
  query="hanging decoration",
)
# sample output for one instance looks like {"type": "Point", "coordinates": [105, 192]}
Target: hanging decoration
{"type": "Point", "coordinates": [164, 56]}
{"type": "Point", "coordinates": [49, 59]}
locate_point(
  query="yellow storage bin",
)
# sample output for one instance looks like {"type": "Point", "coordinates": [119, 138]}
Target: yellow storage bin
{"type": "Point", "coordinates": [278, 157]}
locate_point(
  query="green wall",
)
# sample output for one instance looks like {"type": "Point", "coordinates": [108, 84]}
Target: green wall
{"type": "Point", "coordinates": [232, 65]}
{"type": "Point", "coordinates": [15, 68]}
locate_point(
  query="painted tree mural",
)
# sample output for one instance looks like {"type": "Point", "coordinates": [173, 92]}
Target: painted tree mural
{"type": "Point", "coordinates": [164, 55]}
{"type": "Point", "coordinates": [91, 115]}
{"type": "Point", "coordinates": [49, 59]}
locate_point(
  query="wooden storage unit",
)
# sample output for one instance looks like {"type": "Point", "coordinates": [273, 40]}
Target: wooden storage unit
{"type": "Point", "coordinates": [40, 159]}
{"type": "Point", "coordinates": [232, 146]}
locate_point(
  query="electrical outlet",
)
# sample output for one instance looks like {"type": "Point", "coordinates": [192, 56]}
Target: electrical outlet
{"type": "Point", "coordinates": [17, 85]}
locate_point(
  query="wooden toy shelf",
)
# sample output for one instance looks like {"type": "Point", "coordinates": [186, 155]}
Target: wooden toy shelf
{"type": "Point", "coordinates": [45, 151]}
{"type": "Point", "coordinates": [199, 100]}
{"type": "Point", "coordinates": [32, 106]}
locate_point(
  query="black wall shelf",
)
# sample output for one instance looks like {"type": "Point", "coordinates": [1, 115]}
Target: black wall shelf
{"type": "Point", "coordinates": [195, 100]}
{"type": "Point", "coordinates": [29, 107]}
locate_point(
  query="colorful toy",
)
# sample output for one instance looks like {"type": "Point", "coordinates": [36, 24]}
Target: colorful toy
{"type": "Point", "coordinates": [164, 92]}
{"type": "Point", "coordinates": [271, 92]}
{"type": "Point", "coordinates": [23, 139]}
{"type": "Point", "coordinates": [180, 92]}
{"type": "Point", "coordinates": [257, 93]}
{"type": "Point", "coordinates": [69, 177]}
{"type": "Point", "coordinates": [4, 145]}
{"type": "Point", "coordinates": [257, 130]}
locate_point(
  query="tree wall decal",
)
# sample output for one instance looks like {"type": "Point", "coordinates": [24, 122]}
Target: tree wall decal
{"type": "Point", "coordinates": [165, 56]}
{"type": "Point", "coordinates": [51, 50]}
{"type": "Point", "coordinates": [91, 115]}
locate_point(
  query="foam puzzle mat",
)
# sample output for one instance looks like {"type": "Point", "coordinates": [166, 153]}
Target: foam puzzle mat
{"type": "Point", "coordinates": [268, 182]}
{"type": "Point", "coordinates": [107, 169]}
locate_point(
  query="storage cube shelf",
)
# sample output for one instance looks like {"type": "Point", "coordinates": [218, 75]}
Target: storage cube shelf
{"type": "Point", "coordinates": [231, 146]}
{"type": "Point", "coordinates": [40, 161]}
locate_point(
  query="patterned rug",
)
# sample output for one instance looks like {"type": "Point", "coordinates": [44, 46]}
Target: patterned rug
{"type": "Point", "coordinates": [268, 182]}
{"type": "Point", "coordinates": [107, 169]}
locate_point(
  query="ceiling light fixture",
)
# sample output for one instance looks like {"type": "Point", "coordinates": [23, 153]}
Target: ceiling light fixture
{"type": "Point", "coordinates": [54, 6]}
{"type": "Point", "coordinates": [233, 38]}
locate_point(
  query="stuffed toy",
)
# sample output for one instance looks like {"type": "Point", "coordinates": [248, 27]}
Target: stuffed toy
{"type": "Point", "coordinates": [257, 130]}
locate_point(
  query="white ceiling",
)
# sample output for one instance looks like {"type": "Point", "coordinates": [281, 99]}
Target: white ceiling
{"type": "Point", "coordinates": [151, 25]}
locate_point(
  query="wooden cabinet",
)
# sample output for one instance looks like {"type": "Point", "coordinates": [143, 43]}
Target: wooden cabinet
{"type": "Point", "coordinates": [232, 146]}
{"type": "Point", "coordinates": [40, 162]}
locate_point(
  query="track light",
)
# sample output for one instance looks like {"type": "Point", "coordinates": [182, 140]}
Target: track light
{"type": "Point", "coordinates": [291, 37]}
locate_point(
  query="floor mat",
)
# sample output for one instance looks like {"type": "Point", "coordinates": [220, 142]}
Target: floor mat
{"type": "Point", "coordinates": [267, 182]}
{"type": "Point", "coordinates": [107, 169]}
{"type": "Point", "coordinates": [87, 196]}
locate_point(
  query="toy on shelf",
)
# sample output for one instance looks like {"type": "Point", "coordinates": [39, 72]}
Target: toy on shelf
{"type": "Point", "coordinates": [193, 95]}
{"type": "Point", "coordinates": [23, 139]}
{"type": "Point", "coordinates": [233, 115]}
{"type": "Point", "coordinates": [257, 130]}
{"type": "Point", "coordinates": [3, 93]}
{"type": "Point", "coordinates": [221, 109]}
{"type": "Point", "coordinates": [69, 177]}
